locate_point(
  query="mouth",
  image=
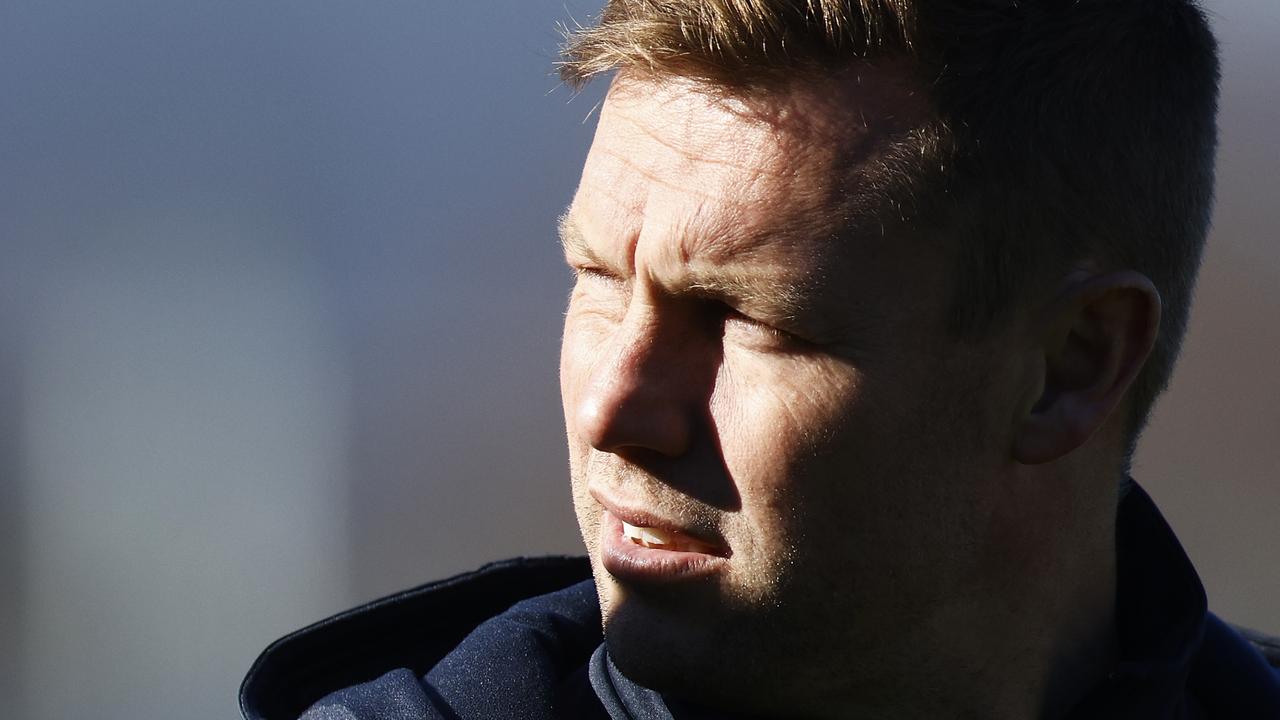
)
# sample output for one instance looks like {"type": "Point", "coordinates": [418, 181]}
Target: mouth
{"type": "Point", "coordinates": [640, 549]}
{"type": "Point", "coordinates": [669, 540]}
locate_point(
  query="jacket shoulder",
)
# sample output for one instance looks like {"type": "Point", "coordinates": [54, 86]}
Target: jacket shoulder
{"type": "Point", "coordinates": [1268, 646]}
{"type": "Point", "coordinates": [412, 629]}
{"type": "Point", "coordinates": [1232, 675]}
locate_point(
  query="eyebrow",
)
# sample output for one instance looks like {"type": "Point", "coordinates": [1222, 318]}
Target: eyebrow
{"type": "Point", "coordinates": [783, 301]}
{"type": "Point", "coordinates": [572, 239]}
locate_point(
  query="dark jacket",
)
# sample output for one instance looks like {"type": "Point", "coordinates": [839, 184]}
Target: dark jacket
{"type": "Point", "coordinates": [515, 639]}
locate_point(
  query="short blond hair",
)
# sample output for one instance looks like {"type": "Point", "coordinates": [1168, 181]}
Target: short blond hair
{"type": "Point", "coordinates": [1064, 131]}
{"type": "Point", "coordinates": [731, 41]}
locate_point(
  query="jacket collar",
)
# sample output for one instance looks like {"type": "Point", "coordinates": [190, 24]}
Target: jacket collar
{"type": "Point", "coordinates": [413, 629]}
{"type": "Point", "coordinates": [1161, 614]}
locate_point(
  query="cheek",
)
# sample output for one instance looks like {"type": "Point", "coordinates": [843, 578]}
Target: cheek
{"type": "Point", "coordinates": [584, 335]}
{"type": "Point", "coordinates": [584, 346]}
{"type": "Point", "coordinates": [780, 425]}
{"type": "Point", "coordinates": [575, 363]}
{"type": "Point", "coordinates": [568, 372]}
{"type": "Point", "coordinates": [778, 411]}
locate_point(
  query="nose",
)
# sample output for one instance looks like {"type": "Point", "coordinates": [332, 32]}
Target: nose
{"type": "Point", "coordinates": [648, 385]}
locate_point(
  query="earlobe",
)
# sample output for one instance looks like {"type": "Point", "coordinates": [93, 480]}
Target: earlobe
{"type": "Point", "coordinates": [1099, 333]}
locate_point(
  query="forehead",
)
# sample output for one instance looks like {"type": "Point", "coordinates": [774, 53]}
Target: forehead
{"type": "Point", "coordinates": [684, 174]}
{"type": "Point", "coordinates": [719, 175]}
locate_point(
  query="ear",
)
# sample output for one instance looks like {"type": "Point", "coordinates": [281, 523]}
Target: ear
{"type": "Point", "coordinates": [1099, 333]}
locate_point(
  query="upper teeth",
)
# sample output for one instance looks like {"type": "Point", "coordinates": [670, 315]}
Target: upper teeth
{"type": "Point", "coordinates": [648, 536]}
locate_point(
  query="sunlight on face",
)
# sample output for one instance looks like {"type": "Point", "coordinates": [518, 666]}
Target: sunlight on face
{"type": "Point", "coordinates": [751, 384]}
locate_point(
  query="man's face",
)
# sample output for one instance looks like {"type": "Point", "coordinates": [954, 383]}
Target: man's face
{"type": "Point", "coordinates": [778, 456]}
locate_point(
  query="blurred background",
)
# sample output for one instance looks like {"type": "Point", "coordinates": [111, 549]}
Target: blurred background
{"type": "Point", "coordinates": [279, 312]}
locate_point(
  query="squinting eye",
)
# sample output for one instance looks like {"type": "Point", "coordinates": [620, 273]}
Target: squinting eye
{"type": "Point", "coordinates": [599, 289]}
{"type": "Point", "coordinates": [594, 274]}
{"type": "Point", "coordinates": [737, 324]}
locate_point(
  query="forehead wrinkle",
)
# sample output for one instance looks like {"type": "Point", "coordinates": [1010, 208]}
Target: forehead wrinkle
{"type": "Point", "coordinates": [660, 180]}
{"type": "Point", "coordinates": [797, 114]}
{"type": "Point", "coordinates": [703, 149]}
{"type": "Point", "coordinates": [729, 159]}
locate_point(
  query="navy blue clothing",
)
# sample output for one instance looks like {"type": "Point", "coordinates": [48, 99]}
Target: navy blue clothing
{"type": "Point", "coordinates": [521, 639]}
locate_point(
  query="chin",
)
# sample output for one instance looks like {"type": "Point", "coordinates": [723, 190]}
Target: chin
{"type": "Point", "coordinates": [658, 656]}
{"type": "Point", "coordinates": [668, 645]}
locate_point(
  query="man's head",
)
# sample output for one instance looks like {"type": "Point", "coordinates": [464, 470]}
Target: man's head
{"type": "Point", "coordinates": [860, 336]}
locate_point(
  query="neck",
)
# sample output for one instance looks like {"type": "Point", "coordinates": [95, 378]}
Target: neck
{"type": "Point", "coordinates": [1025, 640]}
{"type": "Point", "coordinates": [1045, 632]}
{"type": "Point", "coordinates": [1031, 658]}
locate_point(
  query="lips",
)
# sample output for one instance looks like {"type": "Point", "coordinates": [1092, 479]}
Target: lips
{"type": "Point", "coordinates": [639, 548]}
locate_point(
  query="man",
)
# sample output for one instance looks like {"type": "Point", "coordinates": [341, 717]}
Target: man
{"type": "Point", "coordinates": [872, 302]}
